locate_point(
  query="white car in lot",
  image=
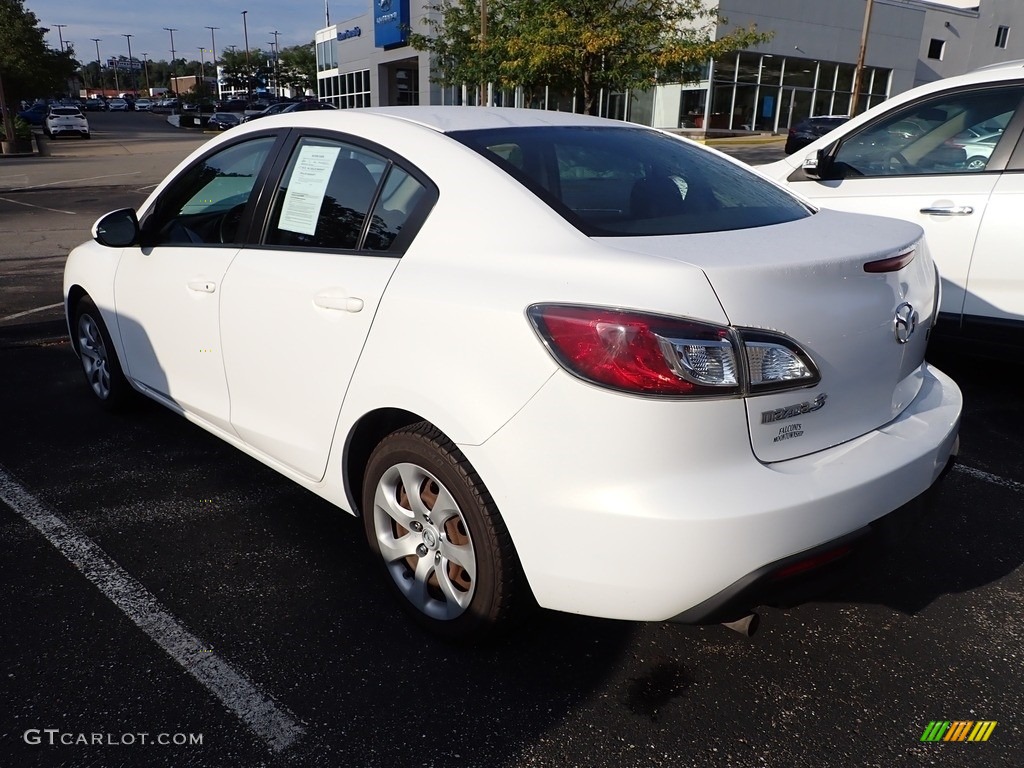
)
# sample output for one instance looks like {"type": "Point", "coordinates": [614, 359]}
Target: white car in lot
{"type": "Point", "coordinates": [544, 357]}
{"type": "Point", "coordinates": [947, 156]}
{"type": "Point", "coordinates": [65, 121]}
{"type": "Point", "coordinates": [118, 105]}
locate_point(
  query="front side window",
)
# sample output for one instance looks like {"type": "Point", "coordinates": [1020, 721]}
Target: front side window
{"type": "Point", "coordinates": [622, 181]}
{"type": "Point", "coordinates": [954, 133]}
{"type": "Point", "coordinates": [337, 196]}
{"type": "Point", "coordinates": [204, 205]}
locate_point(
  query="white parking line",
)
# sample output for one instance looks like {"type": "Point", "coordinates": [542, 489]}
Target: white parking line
{"type": "Point", "coordinates": [85, 178]}
{"type": "Point", "coordinates": [988, 477]}
{"type": "Point", "coordinates": [40, 207]}
{"type": "Point", "coordinates": [31, 311]}
{"type": "Point", "coordinates": [267, 719]}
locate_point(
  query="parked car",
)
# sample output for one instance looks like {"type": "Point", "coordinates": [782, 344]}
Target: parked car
{"type": "Point", "coordinates": [306, 106]}
{"type": "Point", "coordinates": [221, 121]}
{"type": "Point", "coordinates": [232, 105]}
{"type": "Point", "coordinates": [942, 155]}
{"type": "Point", "coordinates": [143, 105]}
{"type": "Point", "coordinates": [117, 105]}
{"type": "Point", "coordinates": [95, 105]}
{"type": "Point", "coordinates": [35, 114]}
{"type": "Point", "coordinates": [618, 373]}
{"type": "Point", "coordinates": [273, 109]}
{"type": "Point", "coordinates": [65, 121]}
{"type": "Point", "coordinates": [811, 128]}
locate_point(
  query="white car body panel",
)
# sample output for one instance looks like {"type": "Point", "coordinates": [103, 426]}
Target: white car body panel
{"type": "Point", "coordinates": [645, 522]}
{"type": "Point", "coordinates": [996, 277]}
{"type": "Point", "coordinates": [976, 254]}
{"type": "Point", "coordinates": [323, 305]}
{"type": "Point", "coordinates": [178, 357]}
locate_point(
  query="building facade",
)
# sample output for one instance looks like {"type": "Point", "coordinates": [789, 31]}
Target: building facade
{"type": "Point", "coordinates": [807, 68]}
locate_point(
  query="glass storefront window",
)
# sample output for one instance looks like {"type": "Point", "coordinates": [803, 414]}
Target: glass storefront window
{"type": "Point", "coordinates": [844, 80]}
{"type": "Point", "coordinates": [771, 70]}
{"type": "Point", "coordinates": [800, 73]}
{"type": "Point", "coordinates": [749, 68]}
{"type": "Point", "coordinates": [725, 68]}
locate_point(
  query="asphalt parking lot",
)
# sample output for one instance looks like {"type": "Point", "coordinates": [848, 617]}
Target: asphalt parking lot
{"type": "Point", "coordinates": [160, 586]}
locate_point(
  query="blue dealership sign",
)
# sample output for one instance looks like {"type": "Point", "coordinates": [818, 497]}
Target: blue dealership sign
{"type": "Point", "coordinates": [390, 23]}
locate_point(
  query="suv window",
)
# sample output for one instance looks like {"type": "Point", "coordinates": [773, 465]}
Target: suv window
{"type": "Point", "coordinates": [940, 135]}
{"type": "Point", "coordinates": [624, 181]}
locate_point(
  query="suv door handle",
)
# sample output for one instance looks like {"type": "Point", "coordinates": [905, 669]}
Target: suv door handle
{"type": "Point", "coordinates": [202, 286]}
{"type": "Point", "coordinates": [949, 210]}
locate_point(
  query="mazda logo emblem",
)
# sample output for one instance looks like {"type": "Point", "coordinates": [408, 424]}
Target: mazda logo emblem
{"type": "Point", "coordinates": [384, 5]}
{"type": "Point", "coordinates": [905, 322]}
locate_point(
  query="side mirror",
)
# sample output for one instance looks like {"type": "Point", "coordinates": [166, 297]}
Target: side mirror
{"type": "Point", "coordinates": [118, 229]}
{"type": "Point", "coordinates": [817, 164]}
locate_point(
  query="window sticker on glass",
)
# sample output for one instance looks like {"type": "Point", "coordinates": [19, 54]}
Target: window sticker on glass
{"type": "Point", "coordinates": [307, 188]}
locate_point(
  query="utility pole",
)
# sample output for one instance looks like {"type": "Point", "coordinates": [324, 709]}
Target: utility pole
{"type": "Point", "coordinates": [858, 75]}
{"type": "Point", "coordinates": [60, 35]}
{"type": "Point", "coordinates": [145, 60]}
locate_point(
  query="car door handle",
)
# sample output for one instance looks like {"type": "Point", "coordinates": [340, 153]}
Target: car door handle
{"type": "Point", "coordinates": [949, 210]}
{"type": "Point", "coordinates": [344, 303]}
{"type": "Point", "coordinates": [202, 286]}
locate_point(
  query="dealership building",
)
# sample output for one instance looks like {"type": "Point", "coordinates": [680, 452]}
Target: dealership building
{"type": "Point", "coordinates": [805, 69]}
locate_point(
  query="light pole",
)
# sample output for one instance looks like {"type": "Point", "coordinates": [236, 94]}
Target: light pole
{"type": "Point", "coordinates": [174, 68]}
{"type": "Point", "coordinates": [213, 56]}
{"type": "Point", "coordinates": [201, 85]}
{"type": "Point", "coordinates": [99, 63]}
{"type": "Point", "coordinates": [145, 64]}
{"type": "Point", "coordinates": [277, 65]}
{"type": "Point", "coordinates": [248, 70]}
{"type": "Point", "coordinates": [131, 64]}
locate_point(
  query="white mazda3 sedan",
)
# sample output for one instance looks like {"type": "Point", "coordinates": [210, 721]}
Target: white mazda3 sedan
{"type": "Point", "coordinates": [544, 357]}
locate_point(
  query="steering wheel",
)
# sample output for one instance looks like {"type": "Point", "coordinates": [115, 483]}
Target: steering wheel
{"type": "Point", "coordinates": [228, 227]}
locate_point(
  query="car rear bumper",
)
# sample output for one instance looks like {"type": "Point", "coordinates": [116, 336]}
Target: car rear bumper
{"type": "Point", "coordinates": [650, 510]}
{"type": "Point", "coordinates": [807, 574]}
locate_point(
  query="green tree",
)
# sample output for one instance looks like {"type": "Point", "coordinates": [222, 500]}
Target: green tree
{"type": "Point", "coordinates": [240, 75]}
{"type": "Point", "coordinates": [297, 65]}
{"type": "Point", "coordinates": [28, 66]}
{"type": "Point", "coordinates": [576, 45]}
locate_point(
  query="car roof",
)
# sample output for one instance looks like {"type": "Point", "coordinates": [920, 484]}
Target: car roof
{"type": "Point", "coordinates": [446, 119]}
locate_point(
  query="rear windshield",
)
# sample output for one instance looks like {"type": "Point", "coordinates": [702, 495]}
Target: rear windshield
{"type": "Point", "coordinates": [65, 111]}
{"type": "Point", "coordinates": [623, 181]}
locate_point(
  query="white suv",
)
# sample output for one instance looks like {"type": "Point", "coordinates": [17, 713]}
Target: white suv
{"type": "Point", "coordinates": [948, 156]}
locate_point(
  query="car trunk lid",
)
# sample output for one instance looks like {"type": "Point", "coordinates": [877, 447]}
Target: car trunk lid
{"type": "Point", "coordinates": [807, 279]}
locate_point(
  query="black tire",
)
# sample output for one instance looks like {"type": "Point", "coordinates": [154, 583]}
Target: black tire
{"type": "Point", "coordinates": [496, 593]}
{"type": "Point", "coordinates": [99, 361]}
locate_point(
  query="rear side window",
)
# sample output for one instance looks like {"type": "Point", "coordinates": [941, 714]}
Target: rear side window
{"type": "Point", "coordinates": [336, 196]}
{"type": "Point", "coordinates": [623, 181]}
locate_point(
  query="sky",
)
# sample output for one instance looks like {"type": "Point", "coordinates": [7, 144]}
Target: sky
{"type": "Point", "coordinates": [110, 20]}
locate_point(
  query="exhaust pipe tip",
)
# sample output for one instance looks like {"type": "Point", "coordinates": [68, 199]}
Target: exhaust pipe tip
{"type": "Point", "coordinates": [746, 626]}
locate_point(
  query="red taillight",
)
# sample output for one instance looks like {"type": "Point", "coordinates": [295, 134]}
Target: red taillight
{"type": "Point", "coordinates": [892, 263]}
{"type": "Point", "coordinates": [631, 351]}
{"type": "Point", "coordinates": [651, 354]}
